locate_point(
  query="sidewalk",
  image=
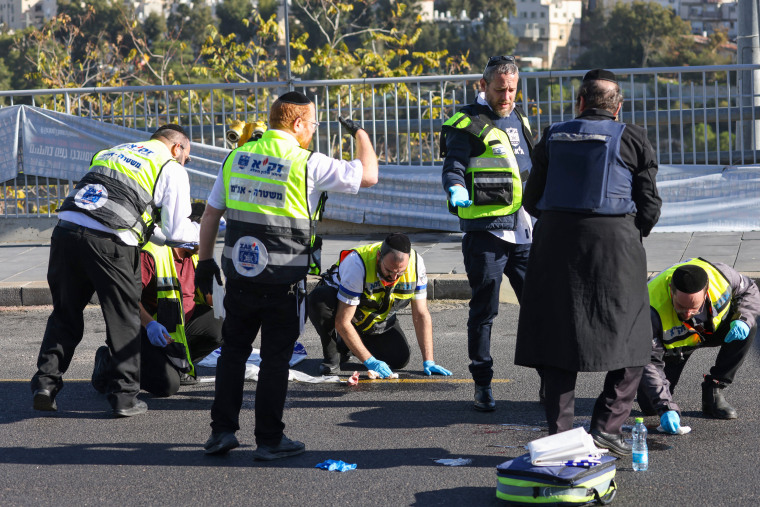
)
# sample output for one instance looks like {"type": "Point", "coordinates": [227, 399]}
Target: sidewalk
{"type": "Point", "coordinates": [23, 266]}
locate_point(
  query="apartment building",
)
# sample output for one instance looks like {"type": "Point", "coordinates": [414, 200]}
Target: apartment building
{"type": "Point", "coordinates": [19, 14]}
{"type": "Point", "coordinates": [549, 30]}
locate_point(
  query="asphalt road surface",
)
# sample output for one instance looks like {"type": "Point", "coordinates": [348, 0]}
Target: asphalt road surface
{"type": "Point", "coordinates": [392, 430]}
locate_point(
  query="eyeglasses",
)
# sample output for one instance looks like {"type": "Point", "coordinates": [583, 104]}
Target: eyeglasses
{"type": "Point", "coordinates": [315, 123]}
{"type": "Point", "coordinates": [182, 148]}
{"type": "Point", "coordinates": [498, 60]}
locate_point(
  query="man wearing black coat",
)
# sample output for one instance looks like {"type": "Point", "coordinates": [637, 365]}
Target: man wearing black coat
{"type": "Point", "coordinates": [585, 305]}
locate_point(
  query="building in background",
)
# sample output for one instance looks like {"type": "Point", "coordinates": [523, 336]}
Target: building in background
{"type": "Point", "coordinates": [549, 30]}
{"type": "Point", "coordinates": [19, 14]}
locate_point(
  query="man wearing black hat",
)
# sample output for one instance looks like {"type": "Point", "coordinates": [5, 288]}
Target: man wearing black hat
{"type": "Point", "coordinates": [95, 249]}
{"type": "Point", "coordinates": [359, 297]}
{"type": "Point", "coordinates": [585, 302]}
{"type": "Point", "coordinates": [486, 149]}
{"type": "Point", "coordinates": [697, 304]}
{"type": "Point", "coordinates": [272, 191]}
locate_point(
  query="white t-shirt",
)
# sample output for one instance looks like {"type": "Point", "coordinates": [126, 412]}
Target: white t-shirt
{"type": "Point", "coordinates": [171, 194]}
{"type": "Point", "coordinates": [323, 174]}
{"type": "Point", "coordinates": [351, 285]}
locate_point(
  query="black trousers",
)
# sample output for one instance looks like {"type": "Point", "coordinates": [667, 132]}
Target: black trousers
{"type": "Point", "coordinates": [486, 259]}
{"type": "Point", "coordinates": [390, 346]}
{"type": "Point", "coordinates": [250, 307]}
{"type": "Point", "coordinates": [158, 375]}
{"type": "Point", "coordinates": [83, 262]}
{"type": "Point", "coordinates": [730, 356]}
{"type": "Point", "coordinates": [612, 407]}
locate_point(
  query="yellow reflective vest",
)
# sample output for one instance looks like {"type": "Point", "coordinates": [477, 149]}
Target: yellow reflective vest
{"type": "Point", "coordinates": [270, 229]}
{"type": "Point", "coordinates": [118, 189]}
{"type": "Point", "coordinates": [493, 178]}
{"type": "Point", "coordinates": [675, 332]}
{"type": "Point", "coordinates": [378, 304]}
{"type": "Point", "coordinates": [170, 312]}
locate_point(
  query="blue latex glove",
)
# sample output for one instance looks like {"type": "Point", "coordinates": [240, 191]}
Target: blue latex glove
{"type": "Point", "coordinates": [156, 333]}
{"type": "Point", "coordinates": [459, 197]}
{"type": "Point", "coordinates": [379, 366]}
{"type": "Point", "coordinates": [336, 465]}
{"type": "Point", "coordinates": [670, 421]}
{"type": "Point", "coordinates": [430, 368]}
{"type": "Point", "coordinates": [739, 331]}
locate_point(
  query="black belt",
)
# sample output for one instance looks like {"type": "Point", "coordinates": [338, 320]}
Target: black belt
{"type": "Point", "coordinates": [71, 226]}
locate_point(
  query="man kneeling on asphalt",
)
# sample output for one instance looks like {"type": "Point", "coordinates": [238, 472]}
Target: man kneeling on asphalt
{"type": "Point", "coordinates": [178, 325]}
{"type": "Point", "coordinates": [358, 298]}
{"type": "Point", "coordinates": [697, 304]}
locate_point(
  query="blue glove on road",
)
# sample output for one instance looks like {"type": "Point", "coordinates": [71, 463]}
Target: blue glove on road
{"type": "Point", "coordinates": [459, 197]}
{"type": "Point", "coordinates": [156, 333]}
{"type": "Point", "coordinates": [430, 368]}
{"type": "Point", "coordinates": [670, 421]}
{"type": "Point", "coordinates": [739, 331]}
{"type": "Point", "coordinates": [379, 366]}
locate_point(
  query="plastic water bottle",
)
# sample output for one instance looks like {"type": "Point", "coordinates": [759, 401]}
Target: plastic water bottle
{"type": "Point", "coordinates": [640, 450]}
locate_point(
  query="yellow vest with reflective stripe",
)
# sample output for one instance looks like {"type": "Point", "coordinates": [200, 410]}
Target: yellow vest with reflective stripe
{"type": "Point", "coordinates": [269, 224]}
{"type": "Point", "coordinates": [675, 332]}
{"type": "Point", "coordinates": [117, 191]}
{"type": "Point", "coordinates": [378, 304]}
{"type": "Point", "coordinates": [170, 312]}
{"type": "Point", "coordinates": [493, 178]}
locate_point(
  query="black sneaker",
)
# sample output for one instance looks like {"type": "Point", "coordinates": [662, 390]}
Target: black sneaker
{"type": "Point", "coordinates": [329, 369]}
{"type": "Point", "coordinates": [285, 448]}
{"type": "Point", "coordinates": [220, 442]}
{"type": "Point", "coordinates": [140, 407]}
{"type": "Point", "coordinates": [99, 378]}
{"type": "Point", "coordinates": [187, 380]}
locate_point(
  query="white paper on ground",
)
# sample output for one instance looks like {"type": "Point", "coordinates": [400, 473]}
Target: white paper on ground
{"type": "Point", "coordinates": [217, 295]}
{"type": "Point", "coordinates": [682, 430]}
{"type": "Point", "coordinates": [299, 354]}
{"type": "Point", "coordinates": [252, 373]}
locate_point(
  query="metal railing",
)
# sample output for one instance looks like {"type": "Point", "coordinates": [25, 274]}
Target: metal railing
{"type": "Point", "coordinates": [693, 115]}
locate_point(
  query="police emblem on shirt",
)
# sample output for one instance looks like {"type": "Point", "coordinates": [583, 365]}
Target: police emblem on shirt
{"type": "Point", "coordinates": [249, 256]}
{"type": "Point", "coordinates": [514, 138]}
{"type": "Point", "coordinates": [92, 196]}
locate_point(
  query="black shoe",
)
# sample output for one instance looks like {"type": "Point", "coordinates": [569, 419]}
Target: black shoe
{"type": "Point", "coordinates": [329, 369]}
{"type": "Point", "coordinates": [220, 442]}
{"type": "Point", "coordinates": [615, 443]}
{"type": "Point", "coordinates": [187, 380]}
{"type": "Point", "coordinates": [484, 399]}
{"type": "Point", "coordinates": [99, 379]}
{"type": "Point", "coordinates": [140, 407]}
{"type": "Point", "coordinates": [285, 448]}
{"type": "Point", "coordinates": [714, 405]}
{"type": "Point", "coordinates": [44, 399]}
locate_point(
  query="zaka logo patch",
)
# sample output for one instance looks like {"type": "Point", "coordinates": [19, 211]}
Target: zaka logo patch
{"type": "Point", "coordinates": [92, 196]}
{"type": "Point", "coordinates": [249, 256]}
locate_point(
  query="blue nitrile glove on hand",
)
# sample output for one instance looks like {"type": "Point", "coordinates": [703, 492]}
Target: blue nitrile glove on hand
{"type": "Point", "coordinates": [156, 333]}
{"type": "Point", "coordinates": [205, 272]}
{"type": "Point", "coordinates": [379, 366]}
{"type": "Point", "coordinates": [430, 368]}
{"type": "Point", "coordinates": [739, 331]}
{"type": "Point", "coordinates": [459, 197]}
{"type": "Point", "coordinates": [670, 421]}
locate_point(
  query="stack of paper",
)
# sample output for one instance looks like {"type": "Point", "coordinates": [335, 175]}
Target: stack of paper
{"type": "Point", "coordinates": [558, 449]}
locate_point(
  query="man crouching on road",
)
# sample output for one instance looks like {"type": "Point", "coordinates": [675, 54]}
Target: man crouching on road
{"type": "Point", "coordinates": [358, 298]}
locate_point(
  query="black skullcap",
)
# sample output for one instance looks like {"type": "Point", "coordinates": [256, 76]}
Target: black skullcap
{"type": "Point", "coordinates": [600, 74]}
{"type": "Point", "coordinates": [399, 242]}
{"type": "Point", "coordinates": [297, 98]}
{"type": "Point", "coordinates": [171, 126]}
{"type": "Point", "coordinates": [689, 278]}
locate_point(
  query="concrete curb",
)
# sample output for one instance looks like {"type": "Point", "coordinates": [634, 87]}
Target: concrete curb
{"type": "Point", "coordinates": [440, 286]}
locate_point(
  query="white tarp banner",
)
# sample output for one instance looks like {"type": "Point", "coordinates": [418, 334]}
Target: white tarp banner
{"type": "Point", "coordinates": [57, 145]}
